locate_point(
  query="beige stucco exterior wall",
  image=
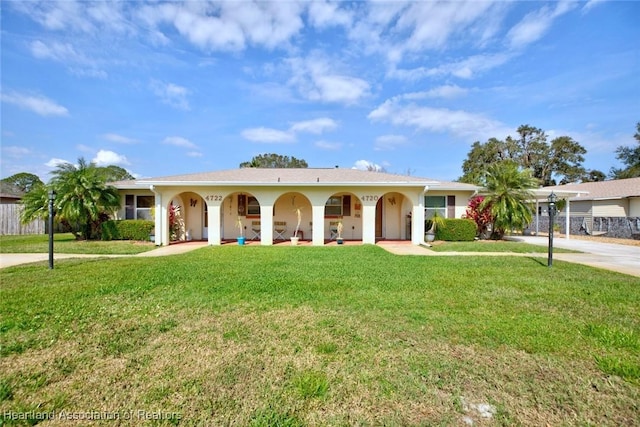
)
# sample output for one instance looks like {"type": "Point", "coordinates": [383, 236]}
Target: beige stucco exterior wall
{"type": "Point", "coordinates": [278, 203]}
{"type": "Point", "coordinates": [611, 208]}
{"type": "Point", "coordinates": [634, 206]}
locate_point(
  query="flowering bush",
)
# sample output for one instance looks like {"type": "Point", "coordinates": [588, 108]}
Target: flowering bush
{"type": "Point", "coordinates": [481, 216]}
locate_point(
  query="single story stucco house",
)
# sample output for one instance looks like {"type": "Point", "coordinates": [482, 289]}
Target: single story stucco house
{"type": "Point", "coordinates": [370, 205]}
{"type": "Point", "coordinates": [610, 208]}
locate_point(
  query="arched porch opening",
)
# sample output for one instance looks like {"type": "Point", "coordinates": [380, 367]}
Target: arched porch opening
{"type": "Point", "coordinates": [393, 217]}
{"type": "Point", "coordinates": [285, 216]}
{"type": "Point", "coordinates": [345, 208]}
{"type": "Point", "coordinates": [187, 217]}
{"type": "Point", "coordinates": [243, 207]}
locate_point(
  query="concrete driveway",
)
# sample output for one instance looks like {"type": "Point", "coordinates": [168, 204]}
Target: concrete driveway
{"type": "Point", "coordinates": [610, 256]}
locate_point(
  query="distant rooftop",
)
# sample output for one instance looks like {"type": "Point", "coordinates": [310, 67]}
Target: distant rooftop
{"type": "Point", "coordinates": [614, 189]}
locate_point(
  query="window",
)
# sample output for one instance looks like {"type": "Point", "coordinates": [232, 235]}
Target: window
{"type": "Point", "coordinates": [143, 207]}
{"type": "Point", "coordinates": [138, 207]}
{"type": "Point", "coordinates": [435, 204]}
{"type": "Point", "coordinates": [129, 206]}
{"type": "Point", "coordinates": [338, 206]}
{"type": "Point", "coordinates": [253, 207]}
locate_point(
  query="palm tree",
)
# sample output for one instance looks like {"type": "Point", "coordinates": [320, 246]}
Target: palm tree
{"type": "Point", "coordinates": [82, 197]}
{"type": "Point", "coordinates": [82, 194]}
{"type": "Point", "coordinates": [508, 190]}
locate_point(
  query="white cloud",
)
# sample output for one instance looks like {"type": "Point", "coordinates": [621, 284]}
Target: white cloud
{"type": "Point", "coordinates": [15, 151]}
{"type": "Point", "coordinates": [324, 14]}
{"type": "Point", "coordinates": [326, 145]}
{"type": "Point", "coordinates": [389, 142]}
{"type": "Point", "coordinates": [37, 104]}
{"type": "Point", "coordinates": [316, 79]}
{"type": "Point", "coordinates": [179, 141]}
{"type": "Point", "coordinates": [171, 94]}
{"type": "Point", "coordinates": [457, 122]}
{"type": "Point", "coordinates": [590, 4]}
{"type": "Point", "coordinates": [194, 154]}
{"type": "Point", "coordinates": [316, 126]}
{"type": "Point", "coordinates": [120, 139]}
{"type": "Point", "coordinates": [465, 69]}
{"type": "Point", "coordinates": [366, 165]}
{"type": "Point", "coordinates": [445, 92]}
{"type": "Point", "coordinates": [228, 26]}
{"type": "Point", "coordinates": [55, 162]}
{"type": "Point", "coordinates": [535, 24]}
{"type": "Point", "coordinates": [269, 135]}
{"type": "Point", "coordinates": [107, 158]}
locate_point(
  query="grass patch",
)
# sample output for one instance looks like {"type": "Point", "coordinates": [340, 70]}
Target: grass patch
{"type": "Point", "coordinates": [66, 243]}
{"type": "Point", "coordinates": [331, 336]}
{"type": "Point", "coordinates": [494, 246]}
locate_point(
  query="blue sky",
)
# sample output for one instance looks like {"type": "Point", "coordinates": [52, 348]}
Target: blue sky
{"type": "Point", "coordinates": [164, 88]}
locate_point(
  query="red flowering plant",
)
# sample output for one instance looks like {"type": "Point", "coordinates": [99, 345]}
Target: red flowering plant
{"type": "Point", "coordinates": [481, 215]}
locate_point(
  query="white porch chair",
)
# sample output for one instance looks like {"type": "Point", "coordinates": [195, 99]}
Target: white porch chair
{"type": "Point", "coordinates": [255, 230]}
{"type": "Point", "coordinates": [279, 227]}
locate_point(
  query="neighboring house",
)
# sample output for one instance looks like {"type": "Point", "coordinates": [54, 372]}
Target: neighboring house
{"type": "Point", "coordinates": [610, 208]}
{"type": "Point", "coordinates": [371, 205]}
{"type": "Point", "coordinates": [10, 209]}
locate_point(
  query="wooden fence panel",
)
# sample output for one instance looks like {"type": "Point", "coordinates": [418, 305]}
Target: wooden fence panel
{"type": "Point", "coordinates": [10, 221]}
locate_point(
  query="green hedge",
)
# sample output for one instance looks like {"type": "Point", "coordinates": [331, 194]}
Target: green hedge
{"type": "Point", "coordinates": [455, 230]}
{"type": "Point", "coordinates": [127, 229]}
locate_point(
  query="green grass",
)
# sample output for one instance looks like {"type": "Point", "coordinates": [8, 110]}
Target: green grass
{"type": "Point", "coordinates": [307, 336]}
{"type": "Point", "coordinates": [65, 243]}
{"type": "Point", "coordinates": [494, 246]}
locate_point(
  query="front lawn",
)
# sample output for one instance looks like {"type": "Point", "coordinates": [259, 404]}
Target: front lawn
{"type": "Point", "coordinates": [65, 243]}
{"type": "Point", "coordinates": [494, 246]}
{"type": "Point", "coordinates": [315, 336]}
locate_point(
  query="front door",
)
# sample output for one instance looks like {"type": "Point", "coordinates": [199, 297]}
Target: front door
{"type": "Point", "coordinates": [205, 228]}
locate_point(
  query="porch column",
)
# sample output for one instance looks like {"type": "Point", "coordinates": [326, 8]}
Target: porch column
{"type": "Point", "coordinates": [369, 223]}
{"type": "Point", "coordinates": [266, 225]}
{"type": "Point", "coordinates": [417, 224]}
{"type": "Point", "coordinates": [317, 235]}
{"type": "Point", "coordinates": [159, 214]}
{"type": "Point", "coordinates": [213, 219]}
{"type": "Point", "coordinates": [567, 220]}
{"type": "Point", "coordinates": [164, 225]}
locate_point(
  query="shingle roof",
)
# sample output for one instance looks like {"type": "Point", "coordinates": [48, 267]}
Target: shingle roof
{"type": "Point", "coordinates": [8, 191]}
{"type": "Point", "coordinates": [615, 189]}
{"type": "Point", "coordinates": [297, 176]}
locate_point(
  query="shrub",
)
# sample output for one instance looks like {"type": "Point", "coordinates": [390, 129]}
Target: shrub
{"type": "Point", "coordinates": [127, 229]}
{"type": "Point", "coordinates": [457, 230]}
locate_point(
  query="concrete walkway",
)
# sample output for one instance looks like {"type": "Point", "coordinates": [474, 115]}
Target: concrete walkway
{"type": "Point", "coordinates": [8, 260]}
{"type": "Point", "coordinates": [621, 258]}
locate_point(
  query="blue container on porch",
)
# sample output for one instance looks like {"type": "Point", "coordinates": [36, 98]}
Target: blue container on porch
{"type": "Point", "coordinates": [241, 240]}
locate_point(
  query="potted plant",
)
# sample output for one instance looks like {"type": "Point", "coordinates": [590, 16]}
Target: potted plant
{"type": "Point", "coordinates": [240, 226]}
{"type": "Point", "coordinates": [340, 227]}
{"type": "Point", "coordinates": [295, 238]}
{"type": "Point", "coordinates": [436, 221]}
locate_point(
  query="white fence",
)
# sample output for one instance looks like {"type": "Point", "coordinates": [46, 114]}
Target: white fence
{"type": "Point", "coordinates": [10, 221]}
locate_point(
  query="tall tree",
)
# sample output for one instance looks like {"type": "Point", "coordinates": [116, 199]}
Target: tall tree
{"type": "Point", "coordinates": [561, 158]}
{"type": "Point", "coordinates": [630, 157]}
{"type": "Point", "coordinates": [272, 160]}
{"type": "Point", "coordinates": [114, 173]}
{"type": "Point", "coordinates": [82, 197]}
{"type": "Point", "coordinates": [508, 192]}
{"type": "Point", "coordinates": [23, 181]}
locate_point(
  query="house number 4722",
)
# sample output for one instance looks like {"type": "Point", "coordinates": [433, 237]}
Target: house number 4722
{"type": "Point", "coordinates": [213, 198]}
{"type": "Point", "coordinates": [370, 198]}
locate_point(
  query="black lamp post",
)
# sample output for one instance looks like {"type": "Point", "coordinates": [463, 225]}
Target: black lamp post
{"type": "Point", "coordinates": [52, 198]}
{"type": "Point", "coordinates": [552, 214]}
